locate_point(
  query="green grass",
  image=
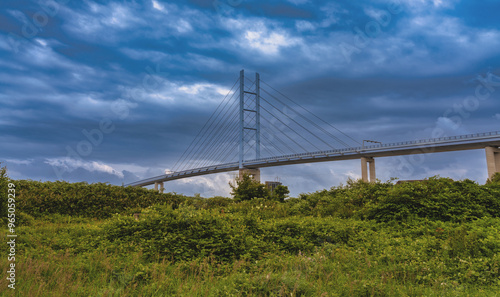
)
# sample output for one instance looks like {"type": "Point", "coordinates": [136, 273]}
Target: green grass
{"type": "Point", "coordinates": [438, 238]}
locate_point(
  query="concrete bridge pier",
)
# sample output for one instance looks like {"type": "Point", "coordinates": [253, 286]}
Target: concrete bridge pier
{"type": "Point", "coordinates": [161, 186]}
{"type": "Point", "coordinates": [492, 160]}
{"type": "Point", "coordinates": [254, 173]}
{"type": "Point", "coordinates": [364, 169]}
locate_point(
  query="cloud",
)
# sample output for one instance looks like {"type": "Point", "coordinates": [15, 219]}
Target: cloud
{"type": "Point", "coordinates": [197, 88]}
{"type": "Point", "coordinates": [95, 18]}
{"type": "Point", "coordinates": [169, 65]}
{"type": "Point", "coordinates": [451, 126]}
{"type": "Point", "coordinates": [429, 4]}
{"type": "Point", "coordinates": [267, 43]}
{"type": "Point", "coordinates": [302, 26]}
{"type": "Point", "coordinates": [158, 6]}
{"type": "Point", "coordinates": [208, 186]}
{"type": "Point", "coordinates": [70, 165]}
{"type": "Point", "coordinates": [266, 37]}
{"type": "Point", "coordinates": [19, 162]}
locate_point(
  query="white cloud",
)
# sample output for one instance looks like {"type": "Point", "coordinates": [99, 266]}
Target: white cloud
{"type": "Point", "coordinates": [167, 93]}
{"type": "Point", "coordinates": [302, 26]}
{"type": "Point", "coordinates": [207, 185]}
{"type": "Point", "coordinates": [267, 42]}
{"type": "Point", "coordinates": [262, 35]}
{"type": "Point", "coordinates": [422, 44]}
{"type": "Point", "coordinates": [451, 126]}
{"type": "Point", "coordinates": [197, 88]}
{"type": "Point", "coordinates": [331, 13]}
{"type": "Point", "coordinates": [41, 42]}
{"type": "Point", "coordinates": [158, 6]}
{"type": "Point", "coordinates": [428, 4]}
{"type": "Point", "coordinates": [70, 165]}
{"type": "Point", "coordinates": [20, 162]}
{"type": "Point", "coordinates": [119, 16]}
{"type": "Point", "coordinates": [183, 26]}
{"type": "Point", "coordinates": [102, 22]}
{"type": "Point", "coordinates": [207, 89]}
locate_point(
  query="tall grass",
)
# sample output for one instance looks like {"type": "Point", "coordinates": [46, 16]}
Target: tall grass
{"type": "Point", "coordinates": [354, 240]}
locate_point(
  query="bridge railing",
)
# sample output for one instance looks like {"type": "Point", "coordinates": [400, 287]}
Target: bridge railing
{"type": "Point", "coordinates": [477, 136]}
{"type": "Point", "coordinates": [184, 172]}
{"type": "Point", "coordinates": [395, 144]}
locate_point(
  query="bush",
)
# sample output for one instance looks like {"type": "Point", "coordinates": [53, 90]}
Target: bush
{"type": "Point", "coordinates": [495, 179]}
{"type": "Point", "coordinates": [99, 200]}
{"type": "Point", "coordinates": [433, 238]}
{"type": "Point", "coordinates": [4, 187]}
{"type": "Point", "coordinates": [437, 199]}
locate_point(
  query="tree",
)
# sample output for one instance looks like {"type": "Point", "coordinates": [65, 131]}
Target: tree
{"type": "Point", "coordinates": [280, 193]}
{"type": "Point", "coordinates": [495, 179]}
{"type": "Point", "coordinates": [247, 188]}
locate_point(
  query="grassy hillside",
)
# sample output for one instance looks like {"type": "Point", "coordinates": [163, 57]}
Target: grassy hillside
{"type": "Point", "coordinates": [433, 238]}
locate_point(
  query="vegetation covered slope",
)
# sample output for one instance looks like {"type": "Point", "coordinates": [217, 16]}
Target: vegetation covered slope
{"type": "Point", "coordinates": [433, 238]}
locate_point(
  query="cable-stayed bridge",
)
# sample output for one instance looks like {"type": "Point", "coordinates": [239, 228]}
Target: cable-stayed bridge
{"type": "Point", "coordinates": [256, 126]}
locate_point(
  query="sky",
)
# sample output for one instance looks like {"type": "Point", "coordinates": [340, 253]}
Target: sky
{"type": "Point", "coordinates": [115, 91]}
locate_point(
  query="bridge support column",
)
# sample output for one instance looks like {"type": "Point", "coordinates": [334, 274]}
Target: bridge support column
{"type": "Point", "coordinates": [254, 173]}
{"type": "Point", "coordinates": [364, 169]}
{"type": "Point", "coordinates": [161, 186]}
{"type": "Point", "coordinates": [492, 160]}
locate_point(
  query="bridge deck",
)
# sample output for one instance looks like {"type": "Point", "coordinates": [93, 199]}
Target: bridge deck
{"type": "Point", "coordinates": [434, 145]}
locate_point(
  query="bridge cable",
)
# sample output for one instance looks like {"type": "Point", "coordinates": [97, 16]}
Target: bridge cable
{"type": "Point", "coordinates": [199, 133]}
{"type": "Point", "coordinates": [190, 147]}
{"type": "Point", "coordinates": [206, 149]}
{"type": "Point", "coordinates": [234, 149]}
{"type": "Point", "coordinates": [207, 135]}
{"type": "Point", "coordinates": [232, 133]}
{"type": "Point", "coordinates": [226, 152]}
{"type": "Point", "coordinates": [311, 113]}
{"type": "Point", "coordinates": [289, 126]}
{"type": "Point", "coordinates": [311, 122]}
{"type": "Point", "coordinates": [272, 144]}
{"type": "Point", "coordinates": [275, 135]}
{"type": "Point", "coordinates": [213, 139]}
{"type": "Point", "coordinates": [265, 109]}
{"type": "Point", "coordinates": [298, 124]}
{"type": "Point", "coordinates": [282, 142]}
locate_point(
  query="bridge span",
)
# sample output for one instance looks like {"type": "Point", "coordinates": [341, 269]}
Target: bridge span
{"type": "Point", "coordinates": [232, 139]}
{"type": "Point", "coordinates": [489, 141]}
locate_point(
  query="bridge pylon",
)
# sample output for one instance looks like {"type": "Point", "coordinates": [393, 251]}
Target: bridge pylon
{"type": "Point", "coordinates": [253, 172]}
{"type": "Point", "coordinates": [492, 160]}
{"type": "Point", "coordinates": [161, 187]}
{"type": "Point", "coordinates": [243, 125]}
{"type": "Point", "coordinates": [365, 161]}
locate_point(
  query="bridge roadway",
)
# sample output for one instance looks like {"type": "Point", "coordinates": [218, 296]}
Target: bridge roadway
{"type": "Point", "coordinates": [433, 145]}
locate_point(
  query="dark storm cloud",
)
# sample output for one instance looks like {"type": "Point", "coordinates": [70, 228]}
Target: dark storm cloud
{"type": "Point", "coordinates": [154, 71]}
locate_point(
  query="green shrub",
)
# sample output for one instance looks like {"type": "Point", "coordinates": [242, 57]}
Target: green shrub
{"type": "Point", "coordinates": [433, 238]}
{"type": "Point", "coordinates": [495, 179]}
{"type": "Point", "coordinates": [99, 200]}
{"type": "Point", "coordinates": [4, 189]}
{"type": "Point", "coordinates": [247, 188]}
